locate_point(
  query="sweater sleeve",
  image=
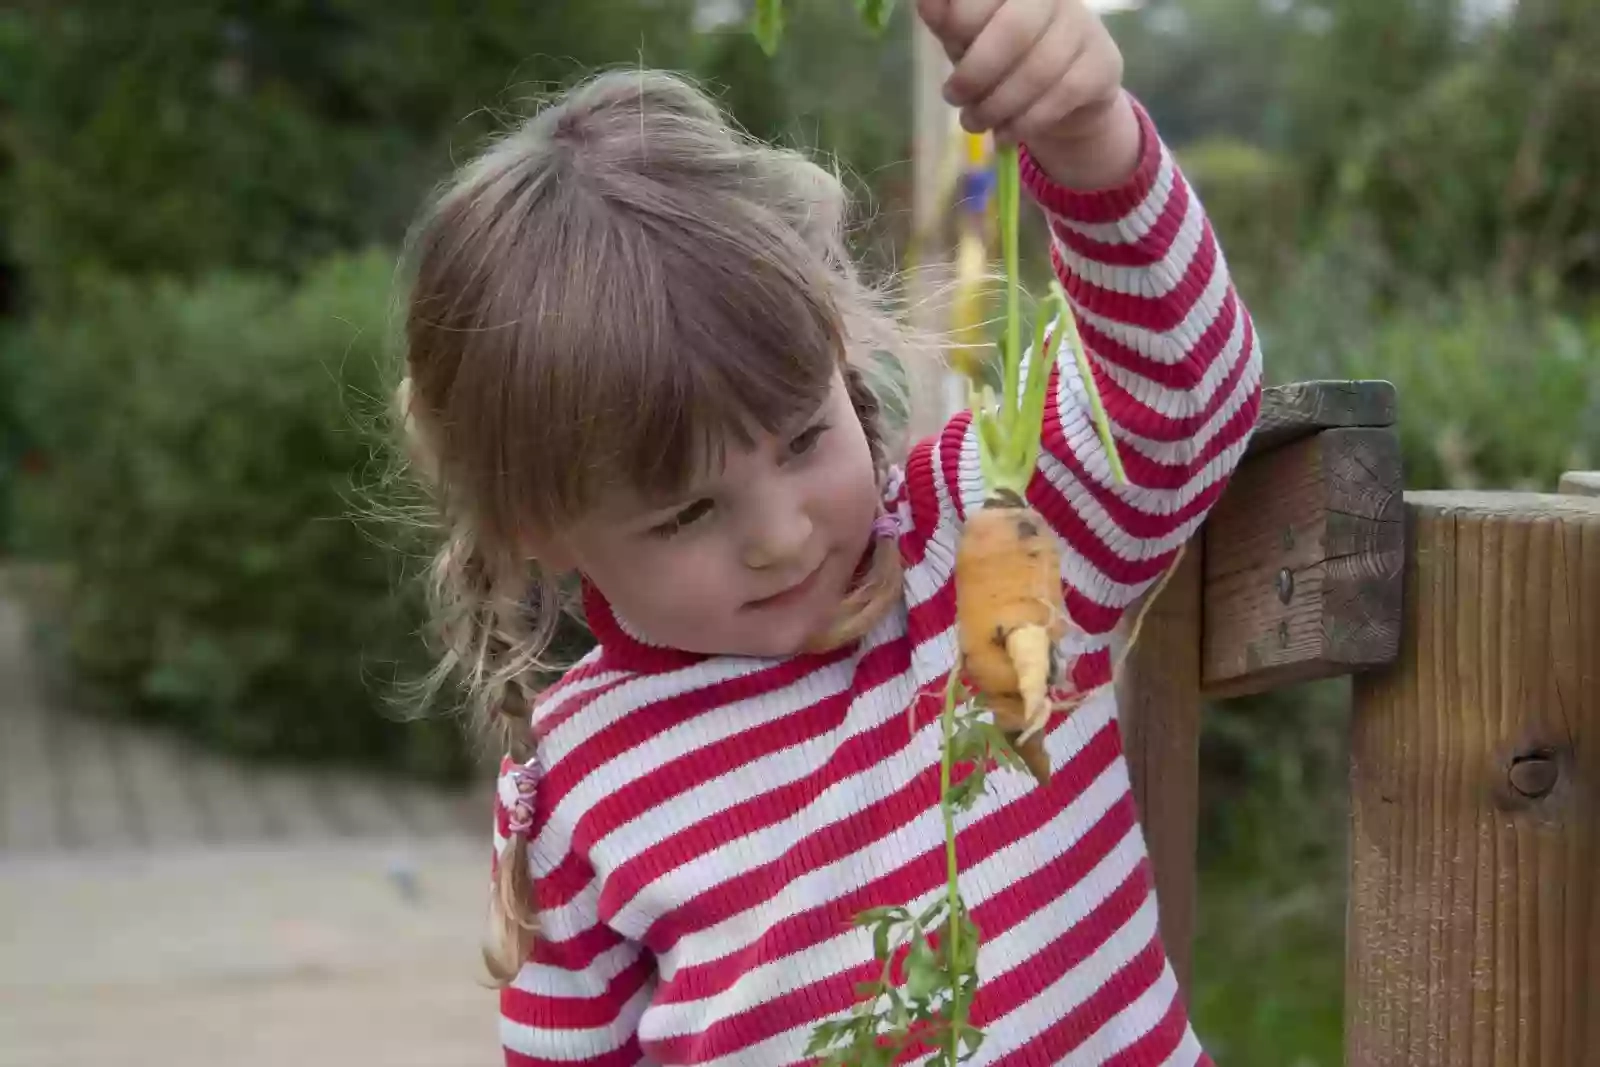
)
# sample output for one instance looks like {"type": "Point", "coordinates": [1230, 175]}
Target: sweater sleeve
{"type": "Point", "coordinates": [579, 997]}
{"type": "Point", "coordinates": [1175, 360]}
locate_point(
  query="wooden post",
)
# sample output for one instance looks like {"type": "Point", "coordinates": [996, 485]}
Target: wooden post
{"type": "Point", "coordinates": [1303, 562]}
{"type": "Point", "coordinates": [1474, 934]}
{"type": "Point", "coordinates": [1581, 483]}
{"type": "Point", "coordinates": [1158, 703]}
{"type": "Point", "coordinates": [1304, 551]}
{"type": "Point", "coordinates": [1331, 444]}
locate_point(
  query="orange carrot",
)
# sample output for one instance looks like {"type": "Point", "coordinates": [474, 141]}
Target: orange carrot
{"type": "Point", "coordinates": [1010, 613]}
{"type": "Point", "coordinates": [1009, 617]}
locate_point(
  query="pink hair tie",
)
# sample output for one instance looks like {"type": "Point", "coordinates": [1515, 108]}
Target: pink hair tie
{"type": "Point", "coordinates": [526, 778]}
{"type": "Point", "coordinates": [886, 526]}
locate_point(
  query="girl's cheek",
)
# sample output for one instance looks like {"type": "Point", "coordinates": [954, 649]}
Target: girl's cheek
{"type": "Point", "coordinates": [677, 575]}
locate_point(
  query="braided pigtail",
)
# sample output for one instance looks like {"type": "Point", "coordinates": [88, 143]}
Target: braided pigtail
{"type": "Point", "coordinates": [514, 922]}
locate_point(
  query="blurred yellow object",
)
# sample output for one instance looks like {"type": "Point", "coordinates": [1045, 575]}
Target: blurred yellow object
{"type": "Point", "coordinates": [966, 187]}
{"type": "Point", "coordinates": [970, 351]}
{"type": "Point", "coordinates": [978, 152]}
{"type": "Point", "coordinates": [967, 313]}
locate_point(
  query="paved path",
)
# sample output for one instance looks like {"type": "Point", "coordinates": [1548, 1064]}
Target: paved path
{"type": "Point", "coordinates": [159, 905]}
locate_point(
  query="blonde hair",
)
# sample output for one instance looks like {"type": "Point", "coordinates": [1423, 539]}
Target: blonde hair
{"type": "Point", "coordinates": [611, 293]}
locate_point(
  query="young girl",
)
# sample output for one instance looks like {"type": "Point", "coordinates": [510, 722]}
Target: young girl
{"type": "Point", "coordinates": [633, 346]}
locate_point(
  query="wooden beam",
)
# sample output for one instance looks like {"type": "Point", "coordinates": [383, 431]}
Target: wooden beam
{"type": "Point", "coordinates": [1158, 703]}
{"type": "Point", "coordinates": [1474, 934]}
{"type": "Point", "coordinates": [1581, 483]}
{"type": "Point", "coordinates": [1290, 412]}
{"type": "Point", "coordinates": [1303, 559]}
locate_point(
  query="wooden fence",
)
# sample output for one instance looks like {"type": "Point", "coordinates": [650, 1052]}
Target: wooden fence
{"type": "Point", "coordinates": [1471, 625]}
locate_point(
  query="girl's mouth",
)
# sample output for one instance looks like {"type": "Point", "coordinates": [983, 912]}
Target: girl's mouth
{"type": "Point", "coordinates": [788, 596]}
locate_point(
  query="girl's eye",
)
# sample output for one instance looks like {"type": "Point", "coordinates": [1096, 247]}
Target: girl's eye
{"type": "Point", "coordinates": [687, 517]}
{"type": "Point", "coordinates": [807, 440]}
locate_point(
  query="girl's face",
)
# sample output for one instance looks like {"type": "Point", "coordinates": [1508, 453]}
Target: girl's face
{"type": "Point", "coordinates": [755, 557]}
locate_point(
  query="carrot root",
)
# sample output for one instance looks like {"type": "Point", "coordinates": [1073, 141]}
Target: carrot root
{"type": "Point", "coordinates": [1034, 757]}
{"type": "Point", "coordinates": [1029, 649]}
{"type": "Point", "coordinates": [1010, 616]}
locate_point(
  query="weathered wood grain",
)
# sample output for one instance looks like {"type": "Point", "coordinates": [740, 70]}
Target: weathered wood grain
{"type": "Point", "coordinates": [1290, 412]}
{"type": "Point", "coordinates": [1581, 483]}
{"type": "Point", "coordinates": [1474, 934]}
{"type": "Point", "coordinates": [1303, 559]}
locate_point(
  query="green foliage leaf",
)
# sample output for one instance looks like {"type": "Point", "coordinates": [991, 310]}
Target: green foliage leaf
{"type": "Point", "coordinates": [880, 941]}
{"type": "Point", "coordinates": [870, 916]}
{"type": "Point", "coordinates": [965, 793]}
{"type": "Point", "coordinates": [966, 959]}
{"type": "Point", "coordinates": [876, 12]}
{"type": "Point", "coordinates": [924, 975]}
{"type": "Point", "coordinates": [971, 1041]}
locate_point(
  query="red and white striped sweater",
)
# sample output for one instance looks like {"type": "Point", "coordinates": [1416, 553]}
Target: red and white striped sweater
{"type": "Point", "coordinates": [707, 827]}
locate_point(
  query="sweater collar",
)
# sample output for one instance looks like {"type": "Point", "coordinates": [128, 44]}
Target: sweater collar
{"type": "Point", "coordinates": [623, 645]}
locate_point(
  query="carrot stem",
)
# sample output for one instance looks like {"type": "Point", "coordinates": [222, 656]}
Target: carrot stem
{"type": "Point", "coordinates": [953, 888]}
{"type": "Point", "coordinates": [1030, 423]}
{"type": "Point", "coordinates": [1097, 408]}
{"type": "Point", "coordinates": [1008, 194]}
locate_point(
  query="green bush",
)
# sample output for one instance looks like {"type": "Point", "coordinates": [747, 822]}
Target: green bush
{"type": "Point", "coordinates": [1254, 201]}
{"type": "Point", "coordinates": [11, 447]}
{"type": "Point", "coordinates": [1494, 392]}
{"type": "Point", "coordinates": [1269, 938]}
{"type": "Point", "coordinates": [202, 447]}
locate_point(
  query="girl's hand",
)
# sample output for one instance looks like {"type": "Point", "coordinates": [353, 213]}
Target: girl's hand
{"type": "Point", "coordinates": [1045, 73]}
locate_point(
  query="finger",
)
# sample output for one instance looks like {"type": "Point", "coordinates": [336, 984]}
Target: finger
{"type": "Point", "coordinates": [999, 48]}
{"type": "Point", "coordinates": [933, 14]}
{"type": "Point", "coordinates": [1043, 66]}
{"type": "Point", "coordinates": [963, 20]}
{"type": "Point", "coordinates": [1091, 82]}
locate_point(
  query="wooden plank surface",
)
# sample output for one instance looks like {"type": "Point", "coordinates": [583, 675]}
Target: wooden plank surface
{"type": "Point", "coordinates": [1474, 934]}
{"type": "Point", "coordinates": [1290, 412]}
{"type": "Point", "coordinates": [30, 818]}
{"type": "Point", "coordinates": [1158, 699]}
{"type": "Point", "coordinates": [1303, 564]}
{"type": "Point", "coordinates": [162, 804]}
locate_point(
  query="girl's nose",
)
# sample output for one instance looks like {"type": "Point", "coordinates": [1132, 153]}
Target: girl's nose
{"type": "Point", "coordinates": [779, 532]}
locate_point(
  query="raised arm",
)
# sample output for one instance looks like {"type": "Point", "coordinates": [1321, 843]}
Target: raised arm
{"type": "Point", "coordinates": [1174, 356]}
{"type": "Point", "coordinates": [1175, 360]}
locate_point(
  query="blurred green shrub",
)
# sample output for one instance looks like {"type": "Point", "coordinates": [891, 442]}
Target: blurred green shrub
{"type": "Point", "coordinates": [202, 446]}
{"type": "Point", "coordinates": [1269, 938]}
{"type": "Point", "coordinates": [1494, 392]}
{"type": "Point", "coordinates": [1487, 170]}
{"type": "Point", "coordinates": [11, 446]}
{"type": "Point", "coordinates": [1497, 390]}
{"type": "Point", "coordinates": [1254, 201]}
{"type": "Point", "coordinates": [267, 134]}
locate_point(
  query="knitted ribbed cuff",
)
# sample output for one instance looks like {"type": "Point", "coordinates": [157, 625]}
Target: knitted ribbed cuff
{"type": "Point", "coordinates": [1097, 205]}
